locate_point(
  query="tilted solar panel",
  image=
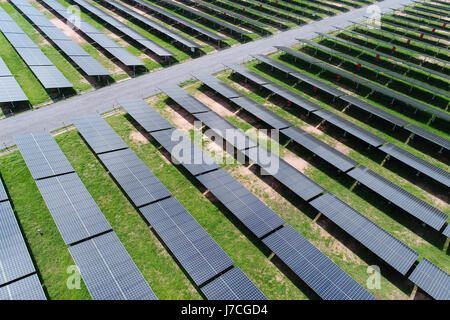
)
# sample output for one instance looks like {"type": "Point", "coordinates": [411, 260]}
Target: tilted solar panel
{"type": "Point", "coordinates": [108, 270]}
{"type": "Point", "coordinates": [292, 98]}
{"type": "Point", "coordinates": [98, 133]}
{"type": "Point", "coordinates": [50, 77]}
{"type": "Point", "coordinates": [3, 194]}
{"type": "Point", "coordinates": [318, 84]}
{"type": "Point", "coordinates": [273, 63]}
{"type": "Point", "coordinates": [28, 288]}
{"type": "Point", "coordinates": [10, 91]}
{"type": "Point", "coordinates": [446, 231]}
{"type": "Point", "coordinates": [429, 136]}
{"type": "Point", "coordinates": [353, 129]}
{"type": "Point", "coordinates": [321, 274]}
{"type": "Point", "coordinates": [42, 155]}
{"type": "Point", "coordinates": [20, 40]}
{"type": "Point", "coordinates": [377, 240]}
{"type": "Point", "coordinates": [15, 260]}
{"type": "Point", "coordinates": [183, 99]}
{"type": "Point", "coordinates": [185, 152]}
{"type": "Point", "coordinates": [53, 33]}
{"type": "Point", "coordinates": [134, 177]}
{"type": "Point", "coordinates": [400, 197]}
{"type": "Point", "coordinates": [197, 252]}
{"type": "Point", "coordinates": [146, 116]}
{"type": "Point", "coordinates": [218, 86]}
{"type": "Point", "coordinates": [4, 70]}
{"type": "Point", "coordinates": [421, 165]}
{"type": "Point", "coordinates": [90, 66]}
{"type": "Point", "coordinates": [34, 57]}
{"type": "Point", "coordinates": [320, 148]}
{"type": "Point", "coordinates": [73, 209]}
{"type": "Point", "coordinates": [9, 27]}
{"type": "Point", "coordinates": [232, 285]}
{"type": "Point", "coordinates": [251, 211]}
{"type": "Point", "coordinates": [298, 54]}
{"type": "Point", "coordinates": [225, 130]}
{"type": "Point", "coordinates": [286, 174]}
{"type": "Point", "coordinates": [432, 280]}
{"type": "Point", "coordinates": [250, 75]}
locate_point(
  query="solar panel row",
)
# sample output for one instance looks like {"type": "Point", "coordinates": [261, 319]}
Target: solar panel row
{"type": "Point", "coordinates": [432, 280]}
{"type": "Point", "coordinates": [321, 274]}
{"type": "Point", "coordinates": [243, 71]}
{"type": "Point", "coordinates": [446, 231]}
{"type": "Point", "coordinates": [433, 138]}
{"type": "Point", "coordinates": [218, 86]}
{"type": "Point", "coordinates": [10, 91]}
{"type": "Point", "coordinates": [97, 36]}
{"type": "Point", "coordinates": [3, 194]}
{"type": "Point", "coordinates": [28, 288]}
{"type": "Point", "coordinates": [184, 99]}
{"type": "Point", "coordinates": [44, 70]}
{"type": "Point", "coordinates": [179, 20]}
{"type": "Point", "coordinates": [80, 57]}
{"type": "Point", "coordinates": [377, 240]}
{"type": "Point", "coordinates": [400, 197]}
{"type": "Point", "coordinates": [123, 28]}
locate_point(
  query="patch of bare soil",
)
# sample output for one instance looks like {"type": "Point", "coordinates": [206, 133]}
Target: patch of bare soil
{"type": "Point", "coordinates": [295, 161]}
{"type": "Point", "coordinates": [138, 137]}
{"type": "Point", "coordinates": [310, 129]}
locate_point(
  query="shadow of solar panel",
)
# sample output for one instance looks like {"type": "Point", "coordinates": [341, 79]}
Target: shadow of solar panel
{"type": "Point", "coordinates": [320, 148]}
{"type": "Point", "coordinates": [373, 110]}
{"type": "Point", "coordinates": [218, 86]}
{"type": "Point", "coordinates": [322, 275]}
{"type": "Point", "coordinates": [432, 280]}
{"type": "Point", "coordinates": [350, 127]}
{"type": "Point", "coordinates": [184, 99]}
{"type": "Point", "coordinates": [3, 194]}
{"type": "Point", "coordinates": [226, 131]}
{"type": "Point", "coordinates": [90, 66]}
{"type": "Point", "coordinates": [138, 182]}
{"type": "Point", "coordinates": [28, 288]}
{"type": "Point", "coordinates": [34, 57]}
{"type": "Point", "coordinates": [10, 27]}
{"type": "Point", "coordinates": [42, 155]}
{"type": "Point", "coordinates": [251, 211]}
{"type": "Point", "coordinates": [73, 209]}
{"type": "Point", "coordinates": [183, 151]}
{"type": "Point", "coordinates": [273, 63]}
{"type": "Point", "coordinates": [429, 136]}
{"type": "Point", "coordinates": [15, 260]}
{"type": "Point", "coordinates": [50, 77]}
{"type": "Point", "coordinates": [400, 197]}
{"type": "Point", "coordinates": [262, 113]}
{"type": "Point", "coordinates": [20, 40]}
{"type": "Point", "coordinates": [98, 134]}
{"type": "Point", "coordinates": [108, 270]}
{"type": "Point", "coordinates": [286, 174]}
{"type": "Point", "coordinates": [197, 252]}
{"type": "Point", "coordinates": [292, 98]}
{"type": "Point", "coordinates": [148, 118]}
{"type": "Point", "coordinates": [422, 166]}
{"type": "Point", "coordinates": [380, 242]}
{"type": "Point", "coordinates": [232, 285]}
{"type": "Point", "coordinates": [243, 71]}
{"type": "Point", "coordinates": [10, 91]}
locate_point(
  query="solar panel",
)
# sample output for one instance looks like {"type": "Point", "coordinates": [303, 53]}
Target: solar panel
{"type": "Point", "coordinates": [254, 77]}
{"type": "Point", "coordinates": [98, 133]}
{"type": "Point", "coordinates": [50, 77]}
{"type": "Point", "coordinates": [446, 231]}
{"type": "Point", "coordinates": [90, 66]}
{"type": "Point", "coordinates": [353, 129]}
{"type": "Point", "coordinates": [297, 54]}
{"type": "Point", "coordinates": [226, 131]}
{"type": "Point", "coordinates": [183, 99]}
{"type": "Point", "coordinates": [432, 280]}
{"type": "Point", "coordinates": [15, 260]}
{"type": "Point", "coordinates": [286, 174]}
{"type": "Point", "coordinates": [134, 177]}
{"type": "Point", "coordinates": [318, 84]}
{"type": "Point", "coordinates": [251, 211]}
{"type": "Point", "coordinates": [9, 27]}
{"type": "Point", "coordinates": [218, 86]}
{"type": "Point", "coordinates": [42, 155]}
{"type": "Point", "coordinates": [4, 70]}
{"type": "Point", "coordinates": [3, 194]}
{"type": "Point", "coordinates": [373, 110]}
{"type": "Point", "coordinates": [125, 57]}
{"type": "Point", "coordinates": [197, 252]}
{"type": "Point", "coordinates": [320, 148]}
{"type": "Point", "coordinates": [232, 285]}
{"type": "Point", "coordinates": [429, 136]}
{"type": "Point", "coordinates": [146, 116]}
{"type": "Point", "coordinates": [292, 98]}
{"type": "Point", "coordinates": [103, 40]}
{"type": "Point", "coordinates": [321, 274]}
{"type": "Point", "coordinates": [183, 151]}
{"type": "Point", "coordinates": [413, 161]}
{"type": "Point", "coordinates": [70, 48]}
{"type": "Point", "coordinates": [10, 91]}
{"type": "Point", "coordinates": [377, 240]}
{"type": "Point", "coordinates": [28, 288]}
{"type": "Point", "coordinates": [20, 40]}
{"type": "Point", "coordinates": [39, 21]}
{"type": "Point", "coordinates": [33, 57]}
{"type": "Point", "coordinates": [273, 63]}
{"type": "Point", "coordinates": [400, 197]}
{"type": "Point", "coordinates": [261, 113]}
{"type": "Point", "coordinates": [73, 209]}
{"type": "Point", "coordinates": [439, 114]}
{"type": "Point", "coordinates": [108, 270]}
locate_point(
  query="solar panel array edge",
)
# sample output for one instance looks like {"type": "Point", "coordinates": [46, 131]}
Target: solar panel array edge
{"type": "Point", "coordinates": [28, 288]}
{"type": "Point", "coordinates": [431, 279]}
